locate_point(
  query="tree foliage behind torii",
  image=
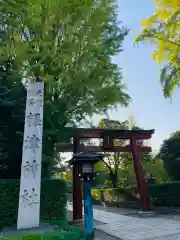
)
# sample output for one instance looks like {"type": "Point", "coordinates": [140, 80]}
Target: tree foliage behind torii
{"type": "Point", "coordinates": [114, 161]}
{"type": "Point", "coordinates": [170, 154]}
{"type": "Point", "coordinates": [120, 166]}
{"type": "Point", "coordinates": [71, 51]}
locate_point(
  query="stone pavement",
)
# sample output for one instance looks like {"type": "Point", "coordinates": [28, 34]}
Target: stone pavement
{"type": "Point", "coordinates": [136, 228]}
{"type": "Point", "coordinates": [99, 235]}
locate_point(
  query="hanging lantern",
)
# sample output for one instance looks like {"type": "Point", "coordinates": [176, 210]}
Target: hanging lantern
{"type": "Point", "coordinates": [86, 162]}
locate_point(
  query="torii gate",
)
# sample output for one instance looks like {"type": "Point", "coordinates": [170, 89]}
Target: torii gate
{"type": "Point", "coordinates": [108, 135]}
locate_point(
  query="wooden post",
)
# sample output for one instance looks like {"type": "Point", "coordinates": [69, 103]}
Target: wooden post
{"type": "Point", "coordinates": [77, 190]}
{"type": "Point", "coordinates": [140, 177]}
{"type": "Point", "coordinates": [88, 211]}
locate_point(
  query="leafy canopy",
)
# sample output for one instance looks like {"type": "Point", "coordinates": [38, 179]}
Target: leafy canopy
{"type": "Point", "coordinates": [12, 108]}
{"type": "Point", "coordinates": [163, 30]}
{"type": "Point", "coordinates": [170, 154]}
{"type": "Point", "coordinates": [69, 45]}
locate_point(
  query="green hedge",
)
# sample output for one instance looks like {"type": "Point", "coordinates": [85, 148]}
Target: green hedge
{"type": "Point", "coordinates": [53, 200]}
{"type": "Point", "coordinates": [113, 196]}
{"type": "Point", "coordinates": [165, 195]}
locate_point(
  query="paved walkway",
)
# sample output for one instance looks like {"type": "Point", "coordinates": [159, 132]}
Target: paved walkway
{"type": "Point", "coordinates": [99, 235]}
{"type": "Point", "coordinates": [136, 228]}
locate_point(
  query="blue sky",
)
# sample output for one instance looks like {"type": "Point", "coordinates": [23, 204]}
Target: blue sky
{"type": "Point", "coordinates": [141, 75]}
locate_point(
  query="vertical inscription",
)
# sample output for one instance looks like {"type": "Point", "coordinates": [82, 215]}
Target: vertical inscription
{"type": "Point", "coordinates": [34, 119]}
{"type": "Point", "coordinates": [29, 196]}
{"type": "Point", "coordinates": [29, 199]}
{"type": "Point", "coordinates": [31, 168]}
{"type": "Point", "coordinates": [32, 143]}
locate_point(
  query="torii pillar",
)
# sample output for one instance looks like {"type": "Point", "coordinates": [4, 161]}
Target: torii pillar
{"type": "Point", "coordinates": [140, 176]}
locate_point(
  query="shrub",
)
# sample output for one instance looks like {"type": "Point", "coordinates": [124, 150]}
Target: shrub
{"type": "Point", "coordinates": [167, 194]}
{"type": "Point", "coordinates": [53, 200]}
{"type": "Point", "coordinates": [114, 195]}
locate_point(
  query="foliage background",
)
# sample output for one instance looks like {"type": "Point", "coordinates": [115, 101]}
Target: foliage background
{"type": "Point", "coordinates": [71, 52]}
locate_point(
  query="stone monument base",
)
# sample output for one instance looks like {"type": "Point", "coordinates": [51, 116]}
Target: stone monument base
{"type": "Point", "coordinates": [43, 228]}
{"type": "Point", "coordinates": [77, 222]}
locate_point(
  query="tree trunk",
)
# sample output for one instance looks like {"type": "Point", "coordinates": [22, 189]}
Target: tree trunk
{"type": "Point", "coordinates": [114, 180]}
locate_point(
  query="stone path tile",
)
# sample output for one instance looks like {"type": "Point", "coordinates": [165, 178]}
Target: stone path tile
{"type": "Point", "coordinates": [141, 232]}
{"type": "Point", "coordinates": [132, 228]}
{"type": "Point", "coordinates": [172, 237]}
{"type": "Point", "coordinates": [99, 235]}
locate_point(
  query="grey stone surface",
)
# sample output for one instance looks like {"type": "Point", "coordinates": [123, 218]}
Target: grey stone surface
{"type": "Point", "coordinates": [103, 236]}
{"type": "Point", "coordinates": [140, 231]}
{"type": "Point", "coordinates": [127, 227]}
{"type": "Point", "coordinates": [146, 214]}
{"type": "Point", "coordinates": [99, 235]}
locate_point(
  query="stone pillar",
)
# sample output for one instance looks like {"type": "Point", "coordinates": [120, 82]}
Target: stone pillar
{"type": "Point", "coordinates": [30, 184]}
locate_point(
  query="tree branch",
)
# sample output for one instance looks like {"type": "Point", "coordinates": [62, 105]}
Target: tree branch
{"type": "Point", "coordinates": [170, 41]}
{"type": "Point", "coordinates": [109, 167]}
